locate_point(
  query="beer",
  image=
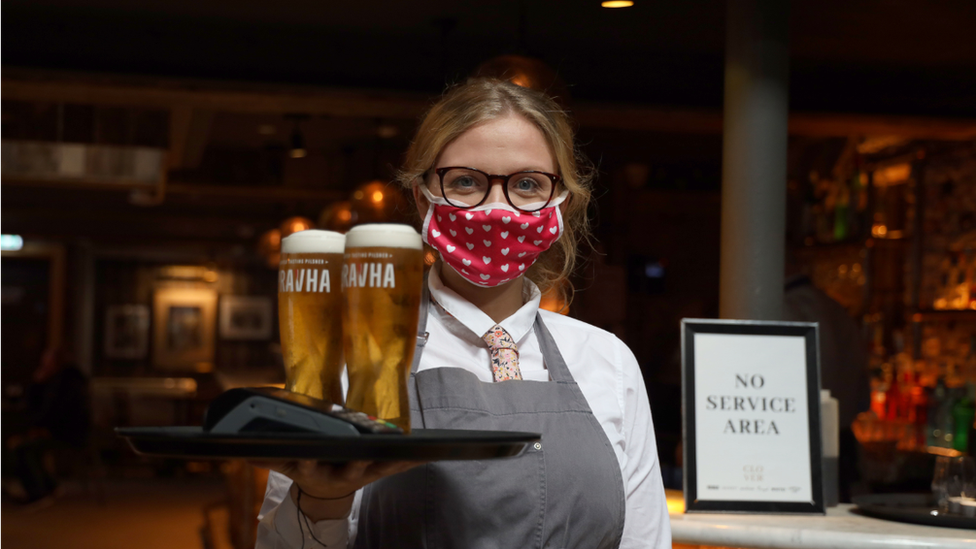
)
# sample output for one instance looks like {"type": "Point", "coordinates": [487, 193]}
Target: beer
{"type": "Point", "coordinates": [382, 277]}
{"type": "Point", "coordinates": [310, 313]}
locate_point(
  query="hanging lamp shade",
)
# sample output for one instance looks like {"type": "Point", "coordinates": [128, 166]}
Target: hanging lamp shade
{"type": "Point", "coordinates": [295, 224]}
{"type": "Point", "coordinates": [338, 217]}
{"type": "Point", "coordinates": [527, 72]}
{"type": "Point", "coordinates": [379, 202]}
{"type": "Point", "coordinates": [269, 247]}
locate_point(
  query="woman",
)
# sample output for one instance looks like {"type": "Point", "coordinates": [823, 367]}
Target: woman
{"type": "Point", "coordinates": [494, 360]}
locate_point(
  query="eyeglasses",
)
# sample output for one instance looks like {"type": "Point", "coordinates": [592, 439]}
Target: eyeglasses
{"type": "Point", "coordinates": [465, 188]}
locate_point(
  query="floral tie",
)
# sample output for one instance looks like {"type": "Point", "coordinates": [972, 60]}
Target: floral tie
{"type": "Point", "coordinates": [504, 354]}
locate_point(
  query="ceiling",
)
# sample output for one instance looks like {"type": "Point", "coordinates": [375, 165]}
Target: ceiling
{"type": "Point", "coordinates": [871, 56]}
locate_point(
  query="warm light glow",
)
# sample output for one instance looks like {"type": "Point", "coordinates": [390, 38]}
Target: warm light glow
{"type": "Point", "coordinates": [617, 3]}
{"type": "Point", "coordinates": [345, 215]}
{"type": "Point", "coordinates": [298, 153]}
{"type": "Point", "coordinates": [940, 451]}
{"type": "Point", "coordinates": [554, 301]}
{"type": "Point", "coordinates": [879, 230]}
{"type": "Point", "coordinates": [295, 224]}
{"type": "Point", "coordinates": [892, 175]}
{"type": "Point", "coordinates": [520, 80]}
{"type": "Point", "coordinates": [377, 196]}
{"type": "Point", "coordinates": [676, 501]}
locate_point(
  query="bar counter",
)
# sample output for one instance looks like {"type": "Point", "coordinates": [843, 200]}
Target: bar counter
{"type": "Point", "coordinates": [841, 528]}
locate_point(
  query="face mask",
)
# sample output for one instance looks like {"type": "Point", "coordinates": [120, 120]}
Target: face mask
{"type": "Point", "coordinates": [490, 244]}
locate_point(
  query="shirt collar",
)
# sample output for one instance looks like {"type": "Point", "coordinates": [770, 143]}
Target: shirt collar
{"type": "Point", "coordinates": [474, 319]}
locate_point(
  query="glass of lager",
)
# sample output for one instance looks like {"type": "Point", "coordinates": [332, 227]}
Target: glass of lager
{"type": "Point", "coordinates": [310, 313]}
{"type": "Point", "coordinates": [382, 278]}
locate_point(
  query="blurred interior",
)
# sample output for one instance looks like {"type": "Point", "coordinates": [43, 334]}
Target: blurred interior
{"type": "Point", "coordinates": [155, 153]}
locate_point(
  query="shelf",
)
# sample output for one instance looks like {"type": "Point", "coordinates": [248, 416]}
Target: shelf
{"type": "Point", "coordinates": [945, 316]}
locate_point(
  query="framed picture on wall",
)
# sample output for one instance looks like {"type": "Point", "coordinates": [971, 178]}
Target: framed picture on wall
{"type": "Point", "coordinates": [245, 317]}
{"type": "Point", "coordinates": [127, 331]}
{"type": "Point", "coordinates": [184, 322]}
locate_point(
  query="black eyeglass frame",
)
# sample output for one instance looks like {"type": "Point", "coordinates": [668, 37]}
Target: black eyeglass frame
{"type": "Point", "coordinates": [491, 181]}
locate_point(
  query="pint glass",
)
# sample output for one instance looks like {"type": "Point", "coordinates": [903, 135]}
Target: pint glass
{"type": "Point", "coordinates": [382, 277]}
{"type": "Point", "coordinates": [310, 313]}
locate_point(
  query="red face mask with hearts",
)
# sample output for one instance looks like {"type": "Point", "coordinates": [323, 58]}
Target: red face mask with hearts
{"type": "Point", "coordinates": [490, 244]}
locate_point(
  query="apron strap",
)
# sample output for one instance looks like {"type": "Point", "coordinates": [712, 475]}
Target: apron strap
{"type": "Point", "coordinates": [421, 326]}
{"type": "Point", "coordinates": [550, 352]}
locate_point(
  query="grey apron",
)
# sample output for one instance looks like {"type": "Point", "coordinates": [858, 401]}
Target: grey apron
{"type": "Point", "coordinates": [565, 492]}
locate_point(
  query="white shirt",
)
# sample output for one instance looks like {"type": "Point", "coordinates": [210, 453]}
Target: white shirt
{"type": "Point", "coordinates": [605, 370]}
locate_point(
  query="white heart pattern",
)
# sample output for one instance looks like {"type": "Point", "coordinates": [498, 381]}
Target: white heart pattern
{"type": "Point", "coordinates": [439, 218]}
{"type": "Point", "coordinates": [553, 229]}
{"type": "Point", "coordinates": [524, 226]}
{"type": "Point", "coordinates": [453, 232]}
{"type": "Point", "coordinates": [487, 243]}
{"type": "Point", "coordinates": [469, 245]}
{"type": "Point", "coordinates": [468, 216]}
{"type": "Point", "coordinates": [485, 277]}
{"type": "Point", "coordinates": [450, 249]}
{"type": "Point", "coordinates": [464, 271]}
{"type": "Point", "coordinates": [467, 262]}
{"type": "Point", "coordinates": [537, 242]}
{"type": "Point", "coordinates": [537, 214]}
{"type": "Point", "coordinates": [539, 230]}
{"type": "Point", "coordinates": [486, 227]}
{"type": "Point", "coordinates": [452, 216]}
{"type": "Point", "coordinates": [504, 251]}
{"type": "Point", "coordinates": [468, 230]}
{"type": "Point", "coordinates": [435, 232]}
{"type": "Point", "coordinates": [487, 213]}
{"type": "Point", "coordinates": [521, 238]}
{"type": "Point", "coordinates": [506, 219]}
{"type": "Point", "coordinates": [521, 267]}
{"type": "Point", "coordinates": [505, 234]}
{"type": "Point", "coordinates": [522, 254]}
{"type": "Point", "coordinates": [505, 268]}
{"type": "Point", "coordinates": [486, 259]}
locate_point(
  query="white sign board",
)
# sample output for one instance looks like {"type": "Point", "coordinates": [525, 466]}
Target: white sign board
{"type": "Point", "coordinates": [751, 417]}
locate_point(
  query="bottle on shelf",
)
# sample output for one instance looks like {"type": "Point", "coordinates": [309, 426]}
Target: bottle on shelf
{"type": "Point", "coordinates": [962, 418]}
{"type": "Point", "coordinates": [842, 212]}
{"type": "Point", "coordinates": [936, 420]}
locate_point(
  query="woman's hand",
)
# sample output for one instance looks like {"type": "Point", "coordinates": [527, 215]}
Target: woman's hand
{"type": "Point", "coordinates": [329, 488]}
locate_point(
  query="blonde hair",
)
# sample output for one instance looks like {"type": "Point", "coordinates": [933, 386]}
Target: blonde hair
{"type": "Point", "coordinates": [482, 99]}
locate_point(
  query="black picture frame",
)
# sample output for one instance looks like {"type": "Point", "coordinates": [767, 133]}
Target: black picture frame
{"type": "Point", "coordinates": [809, 331]}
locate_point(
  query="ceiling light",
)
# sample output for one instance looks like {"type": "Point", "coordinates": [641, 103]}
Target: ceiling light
{"type": "Point", "coordinates": [297, 144]}
{"type": "Point", "coordinates": [11, 242]}
{"type": "Point", "coordinates": [297, 149]}
{"type": "Point", "coordinates": [617, 3]}
{"type": "Point", "coordinates": [387, 131]}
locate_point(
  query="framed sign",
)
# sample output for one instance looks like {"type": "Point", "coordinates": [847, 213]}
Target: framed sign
{"type": "Point", "coordinates": [751, 416]}
{"type": "Point", "coordinates": [245, 317]}
{"type": "Point", "coordinates": [127, 331]}
{"type": "Point", "coordinates": [184, 320]}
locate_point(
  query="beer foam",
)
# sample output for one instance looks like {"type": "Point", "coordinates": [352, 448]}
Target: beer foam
{"type": "Point", "coordinates": [384, 235]}
{"type": "Point", "coordinates": [313, 241]}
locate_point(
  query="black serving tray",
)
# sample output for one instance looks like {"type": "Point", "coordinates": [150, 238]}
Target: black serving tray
{"type": "Point", "coordinates": [419, 445]}
{"type": "Point", "coordinates": [912, 508]}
